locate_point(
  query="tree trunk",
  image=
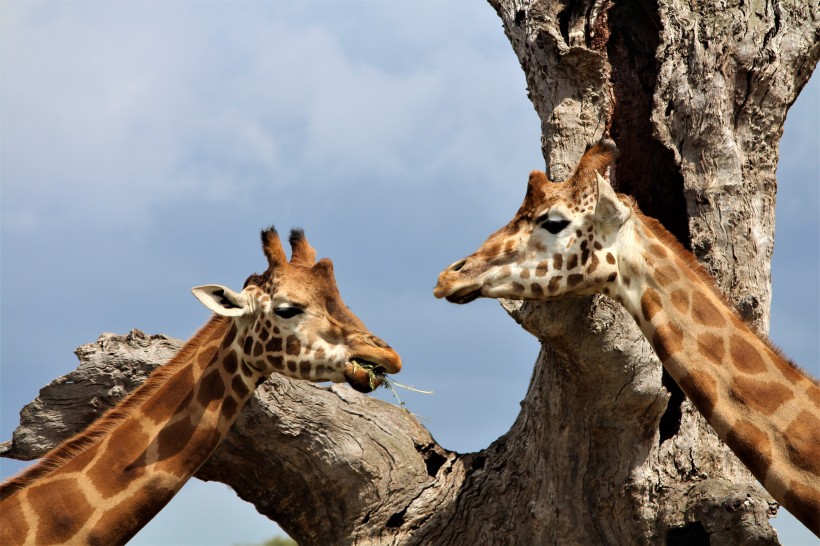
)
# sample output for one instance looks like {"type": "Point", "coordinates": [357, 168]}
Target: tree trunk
{"type": "Point", "coordinates": [606, 450]}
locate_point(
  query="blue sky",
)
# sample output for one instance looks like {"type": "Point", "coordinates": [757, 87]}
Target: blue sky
{"type": "Point", "coordinates": [144, 145]}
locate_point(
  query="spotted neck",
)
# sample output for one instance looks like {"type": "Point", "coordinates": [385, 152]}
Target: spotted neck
{"type": "Point", "coordinates": [104, 485]}
{"type": "Point", "coordinates": [764, 408]}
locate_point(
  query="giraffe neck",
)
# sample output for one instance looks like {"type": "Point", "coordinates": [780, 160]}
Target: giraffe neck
{"type": "Point", "coordinates": [764, 408]}
{"type": "Point", "coordinates": [105, 484]}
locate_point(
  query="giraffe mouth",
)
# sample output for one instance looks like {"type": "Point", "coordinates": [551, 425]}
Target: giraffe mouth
{"type": "Point", "coordinates": [363, 375]}
{"type": "Point", "coordinates": [464, 295]}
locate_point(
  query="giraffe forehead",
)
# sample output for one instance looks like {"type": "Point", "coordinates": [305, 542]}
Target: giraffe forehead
{"type": "Point", "coordinates": [302, 286]}
{"type": "Point", "coordinates": [315, 291]}
{"type": "Point", "coordinates": [544, 196]}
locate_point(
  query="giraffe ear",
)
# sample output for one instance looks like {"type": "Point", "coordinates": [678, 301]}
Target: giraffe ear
{"type": "Point", "coordinates": [609, 209]}
{"type": "Point", "coordinates": [223, 301]}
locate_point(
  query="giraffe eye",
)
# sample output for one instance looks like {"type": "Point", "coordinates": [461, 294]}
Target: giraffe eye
{"type": "Point", "coordinates": [287, 311]}
{"type": "Point", "coordinates": [554, 226]}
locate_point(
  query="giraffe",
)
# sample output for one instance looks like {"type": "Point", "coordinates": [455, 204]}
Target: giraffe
{"type": "Point", "coordinates": [104, 484]}
{"type": "Point", "coordinates": [579, 238]}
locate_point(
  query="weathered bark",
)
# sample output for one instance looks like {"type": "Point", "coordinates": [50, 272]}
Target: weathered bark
{"type": "Point", "coordinates": [605, 449]}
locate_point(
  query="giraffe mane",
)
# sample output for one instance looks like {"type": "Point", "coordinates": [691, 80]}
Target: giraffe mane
{"type": "Point", "coordinates": [89, 437]}
{"type": "Point", "coordinates": [673, 244]}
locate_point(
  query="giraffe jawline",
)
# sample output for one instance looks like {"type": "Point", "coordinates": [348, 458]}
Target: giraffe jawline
{"type": "Point", "coordinates": [465, 295]}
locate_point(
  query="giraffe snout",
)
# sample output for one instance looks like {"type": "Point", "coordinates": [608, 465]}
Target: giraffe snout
{"type": "Point", "coordinates": [459, 282]}
{"type": "Point", "coordinates": [371, 359]}
{"type": "Point", "coordinates": [375, 350]}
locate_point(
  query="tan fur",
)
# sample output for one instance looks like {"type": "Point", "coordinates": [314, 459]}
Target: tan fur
{"type": "Point", "coordinates": [671, 242]}
{"type": "Point", "coordinates": [86, 439]}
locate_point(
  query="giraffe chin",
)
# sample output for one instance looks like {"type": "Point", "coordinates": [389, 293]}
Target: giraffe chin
{"type": "Point", "coordinates": [464, 295]}
{"type": "Point", "coordinates": [364, 376]}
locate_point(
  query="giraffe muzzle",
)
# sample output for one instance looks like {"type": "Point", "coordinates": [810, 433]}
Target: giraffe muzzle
{"type": "Point", "coordinates": [370, 360]}
{"type": "Point", "coordinates": [455, 286]}
{"type": "Point", "coordinates": [364, 376]}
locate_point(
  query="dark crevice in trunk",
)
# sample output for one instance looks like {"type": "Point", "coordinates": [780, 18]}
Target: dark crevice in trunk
{"type": "Point", "coordinates": [692, 534]}
{"type": "Point", "coordinates": [646, 168]}
{"type": "Point", "coordinates": [670, 420]}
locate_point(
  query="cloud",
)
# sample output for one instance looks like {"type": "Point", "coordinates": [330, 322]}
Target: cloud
{"type": "Point", "coordinates": [109, 112]}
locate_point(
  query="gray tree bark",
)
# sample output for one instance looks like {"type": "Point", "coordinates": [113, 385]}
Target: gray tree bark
{"type": "Point", "coordinates": [606, 450]}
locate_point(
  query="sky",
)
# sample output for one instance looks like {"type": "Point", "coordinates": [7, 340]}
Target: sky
{"type": "Point", "coordinates": [144, 145]}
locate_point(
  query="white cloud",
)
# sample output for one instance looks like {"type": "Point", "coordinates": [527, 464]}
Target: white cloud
{"type": "Point", "coordinates": [108, 112]}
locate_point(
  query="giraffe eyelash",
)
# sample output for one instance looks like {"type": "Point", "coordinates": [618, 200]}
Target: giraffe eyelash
{"type": "Point", "coordinates": [553, 225]}
{"type": "Point", "coordinates": [288, 311]}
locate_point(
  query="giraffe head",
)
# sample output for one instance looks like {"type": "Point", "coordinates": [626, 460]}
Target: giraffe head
{"type": "Point", "coordinates": [561, 241]}
{"type": "Point", "coordinates": [291, 319]}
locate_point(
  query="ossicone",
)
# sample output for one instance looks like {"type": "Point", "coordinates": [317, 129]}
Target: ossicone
{"type": "Point", "coordinates": [301, 252]}
{"type": "Point", "coordinates": [272, 247]}
{"type": "Point", "coordinates": [598, 157]}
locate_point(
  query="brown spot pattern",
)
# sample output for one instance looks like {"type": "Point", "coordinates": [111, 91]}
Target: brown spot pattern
{"type": "Point", "coordinates": [711, 347]}
{"type": "Point", "coordinates": [752, 446]}
{"type": "Point", "coordinates": [117, 465]}
{"type": "Point", "coordinates": [802, 440]}
{"type": "Point", "coordinates": [525, 273]}
{"type": "Point", "coordinates": [572, 263]}
{"type": "Point", "coordinates": [574, 279]}
{"type": "Point", "coordinates": [292, 345]}
{"type": "Point", "coordinates": [701, 390]}
{"type": "Point", "coordinates": [610, 258]}
{"type": "Point", "coordinates": [277, 361]}
{"type": "Point", "coordinates": [554, 284]}
{"type": "Point", "coordinates": [229, 407]}
{"type": "Point", "coordinates": [230, 336]}
{"type": "Point", "coordinates": [705, 312]}
{"type": "Point", "coordinates": [744, 356]}
{"type": "Point", "coordinates": [66, 507]}
{"type": "Point", "coordinates": [211, 388]}
{"type": "Point", "coordinates": [136, 510]}
{"type": "Point", "coordinates": [557, 261]}
{"type": "Point", "coordinates": [13, 511]}
{"type": "Point", "coordinates": [517, 287]}
{"type": "Point", "coordinates": [666, 275]}
{"type": "Point", "coordinates": [802, 501]}
{"type": "Point", "coordinates": [173, 438]}
{"type": "Point", "coordinates": [274, 345]}
{"type": "Point", "coordinates": [230, 363]}
{"type": "Point", "coordinates": [680, 299]}
{"type": "Point", "coordinates": [537, 290]}
{"type": "Point", "coordinates": [650, 304]}
{"type": "Point", "coordinates": [593, 264]}
{"type": "Point", "coordinates": [177, 388]}
{"type": "Point", "coordinates": [658, 250]}
{"type": "Point", "coordinates": [667, 341]}
{"type": "Point", "coordinates": [762, 396]}
{"type": "Point", "coordinates": [239, 387]}
{"type": "Point", "coordinates": [541, 269]}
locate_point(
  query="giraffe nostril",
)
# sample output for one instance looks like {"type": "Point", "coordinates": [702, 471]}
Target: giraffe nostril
{"type": "Point", "coordinates": [458, 265]}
